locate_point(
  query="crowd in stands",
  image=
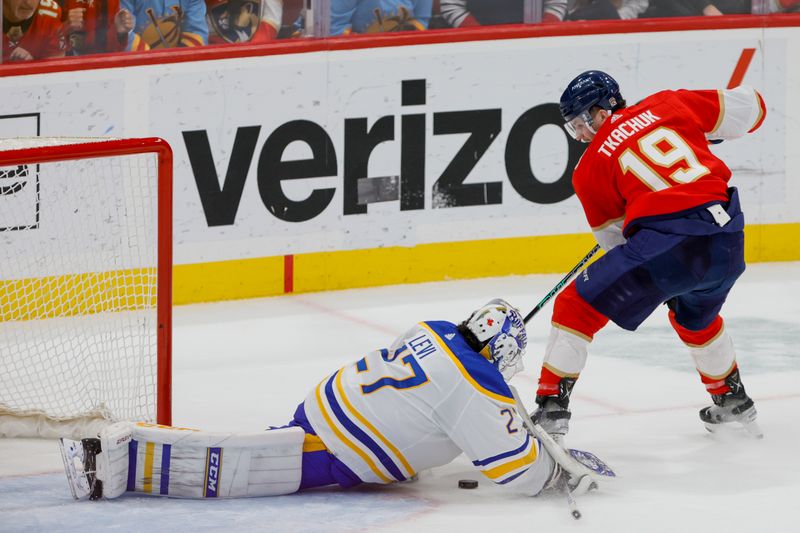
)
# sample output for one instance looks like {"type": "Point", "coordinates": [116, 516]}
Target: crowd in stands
{"type": "Point", "coordinates": [40, 29]}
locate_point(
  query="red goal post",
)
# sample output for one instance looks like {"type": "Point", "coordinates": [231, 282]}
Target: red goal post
{"type": "Point", "coordinates": [85, 284]}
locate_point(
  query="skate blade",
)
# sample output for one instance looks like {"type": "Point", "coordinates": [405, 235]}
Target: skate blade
{"type": "Point", "coordinates": [751, 428]}
{"type": "Point", "coordinates": [754, 429]}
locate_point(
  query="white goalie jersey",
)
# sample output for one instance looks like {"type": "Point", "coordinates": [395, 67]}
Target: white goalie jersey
{"type": "Point", "coordinates": [419, 404]}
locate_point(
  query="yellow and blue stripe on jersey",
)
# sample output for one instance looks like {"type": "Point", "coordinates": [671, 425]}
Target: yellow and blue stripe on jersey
{"type": "Point", "coordinates": [363, 442]}
{"type": "Point", "coordinates": [476, 369]}
{"type": "Point", "coordinates": [508, 466]}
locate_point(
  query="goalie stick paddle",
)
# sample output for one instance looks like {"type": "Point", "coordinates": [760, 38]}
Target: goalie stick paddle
{"type": "Point", "coordinates": [556, 452]}
{"type": "Point", "coordinates": [587, 468]}
{"type": "Point", "coordinates": [566, 279]}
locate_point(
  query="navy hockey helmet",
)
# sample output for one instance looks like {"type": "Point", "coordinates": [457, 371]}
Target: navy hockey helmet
{"type": "Point", "coordinates": [589, 89]}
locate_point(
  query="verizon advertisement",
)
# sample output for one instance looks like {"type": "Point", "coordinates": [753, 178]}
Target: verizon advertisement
{"type": "Point", "coordinates": [399, 146]}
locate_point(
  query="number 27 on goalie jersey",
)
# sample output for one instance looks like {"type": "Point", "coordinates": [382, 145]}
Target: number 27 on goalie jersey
{"type": "Point", "coordinates": [419, 404]}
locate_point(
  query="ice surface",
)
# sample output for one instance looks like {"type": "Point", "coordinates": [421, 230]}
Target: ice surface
{"type": "Point", "coordinates": [245, 365]}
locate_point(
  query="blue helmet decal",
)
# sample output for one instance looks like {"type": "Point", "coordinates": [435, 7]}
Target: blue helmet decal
{"type": "Point", "coordinates": [589, 89]}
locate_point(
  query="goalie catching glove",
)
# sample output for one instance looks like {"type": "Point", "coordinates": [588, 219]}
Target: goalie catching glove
{"type": "Point", "coordinates": [183, 463]}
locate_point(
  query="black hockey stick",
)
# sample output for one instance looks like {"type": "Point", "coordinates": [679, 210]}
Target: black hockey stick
{"type": "Point", "coordinates": [566, 279]}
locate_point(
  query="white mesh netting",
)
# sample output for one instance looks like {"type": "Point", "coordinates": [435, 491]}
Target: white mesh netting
{"type": "Point", "coordinates": [78, 272]}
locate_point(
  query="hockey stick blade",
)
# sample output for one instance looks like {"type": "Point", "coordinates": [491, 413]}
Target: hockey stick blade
{"type": "Point", "coordinates": [576, 462]}
{"type": "Point", "coordinates": [585, 473]}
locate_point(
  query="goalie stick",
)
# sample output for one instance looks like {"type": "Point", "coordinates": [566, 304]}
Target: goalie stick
{"type": "Point", "coordinates": [585, 468]}
{"type": "Point", "coordinates": [566, 279]}
{"type": "Point", "coordinates": [565, 458]}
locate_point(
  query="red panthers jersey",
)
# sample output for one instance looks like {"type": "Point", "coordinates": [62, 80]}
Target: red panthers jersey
{"type": "Point", "coordinates": [653, 158]}
{"type": "Point", "coordinates": [99, 34]}
{"type": "Point", "coordinates": [42, 35]}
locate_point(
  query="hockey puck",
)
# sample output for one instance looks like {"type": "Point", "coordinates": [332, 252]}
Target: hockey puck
{"type": "Point", "coordinates": [467, 484]}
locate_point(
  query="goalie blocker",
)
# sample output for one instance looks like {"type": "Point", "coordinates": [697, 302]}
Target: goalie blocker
{"type": "Point", "coordinates": [183, 463]}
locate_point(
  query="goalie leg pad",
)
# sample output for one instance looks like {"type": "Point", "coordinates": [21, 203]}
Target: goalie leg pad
{"type": "Point", "coordinates": [112, 461]}
{"type": "Point", "coordinates": [186, 463]}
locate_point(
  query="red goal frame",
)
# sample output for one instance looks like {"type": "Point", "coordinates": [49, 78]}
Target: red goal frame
{"type": "Point", "coordinates": [90, 149]}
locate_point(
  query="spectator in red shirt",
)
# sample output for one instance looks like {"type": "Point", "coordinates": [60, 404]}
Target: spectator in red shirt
{"type": "Point", "coordinates": [95, 26]}
{"type": "Point", "coordinates": [32, 30]}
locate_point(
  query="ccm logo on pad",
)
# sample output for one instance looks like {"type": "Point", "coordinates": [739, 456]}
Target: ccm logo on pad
{"type": "Point", "coordinates": [213, 468]}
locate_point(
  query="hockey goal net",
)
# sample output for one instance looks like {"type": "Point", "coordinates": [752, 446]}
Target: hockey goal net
{"type": "Point", "coordinates": [85, 284]}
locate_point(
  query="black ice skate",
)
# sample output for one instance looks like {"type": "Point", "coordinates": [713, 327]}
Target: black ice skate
{"type": "Point", "coordinates": [553, 413]}
{"type": "Point", "coordinates": [81, 467]}
{"type": "Point", "coordinates": [733, 406]}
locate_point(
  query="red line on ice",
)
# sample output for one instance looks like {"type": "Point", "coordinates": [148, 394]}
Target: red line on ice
{"type": "Point", "coordinates": [344, 316]}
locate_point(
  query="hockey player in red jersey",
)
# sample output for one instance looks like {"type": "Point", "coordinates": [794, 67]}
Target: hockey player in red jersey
{"type": "Point", "coordinates": [658, 202]}
{"type": "Point", "coordinates": [32, 30]}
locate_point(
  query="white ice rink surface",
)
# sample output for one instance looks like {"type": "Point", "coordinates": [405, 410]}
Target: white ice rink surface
{"type": "Point", "coordinates": [245, 365]}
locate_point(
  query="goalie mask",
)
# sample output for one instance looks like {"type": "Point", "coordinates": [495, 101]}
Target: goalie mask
{"type": "Point", "coordinates": [500, 332]}
{"type": "Point", "coordinates": [235, 21]}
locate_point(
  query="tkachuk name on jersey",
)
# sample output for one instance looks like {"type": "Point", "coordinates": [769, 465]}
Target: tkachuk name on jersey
{"type": "Point", "coordinates": [625, 130]}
